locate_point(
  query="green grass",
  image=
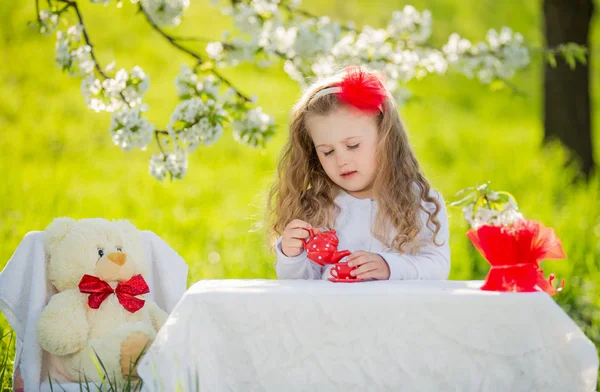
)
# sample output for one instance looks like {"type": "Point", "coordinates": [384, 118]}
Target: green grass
{"type": "Point", "coordinates": [57, 158]}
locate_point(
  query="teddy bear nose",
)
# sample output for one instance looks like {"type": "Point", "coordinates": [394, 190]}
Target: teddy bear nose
{"type": "Point", "coordinates": [117, 257]}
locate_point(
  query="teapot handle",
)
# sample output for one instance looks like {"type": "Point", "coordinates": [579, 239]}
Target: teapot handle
{"type": "Point", "coordinates": [311, 233]}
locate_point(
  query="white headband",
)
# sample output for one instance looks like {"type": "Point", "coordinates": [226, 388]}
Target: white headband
{"type": "Point", "coordinates": [326, 91]}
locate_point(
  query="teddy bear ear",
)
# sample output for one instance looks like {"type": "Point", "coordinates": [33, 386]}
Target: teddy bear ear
{"type": "Point", "coordinates": [56, 231]}
{"type": "Point", "coordinates": [127, 226]}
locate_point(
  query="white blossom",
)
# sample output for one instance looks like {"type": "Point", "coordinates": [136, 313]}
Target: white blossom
{"type": "Point", "coordinates": [276, 38]}
{"type": "Point", "coordinates": [375, 48]}
{"type": "Point", "coordinates": [456, 47]}
{"type": "Point", "coordinates": [245, 17]}
{"type": "Point", "coordinates": [294, 72]}
{"type": "Point", "coordinates": [254, 128]}
{"type": "Point", "coordinates": [373, 41]}
{"type": "Point", "coordinates": [188, 85]}
{"type": "Point", "coordinates": [214, 50]}
{"type": "Point", "coordinates": [319, 47]}
{"type": "Point", "coordinates": [294, 4]}
{"type": "Point", "coordinates": [186, 82]}
{"type": "Point", "coordinates": [165, 12]}
{"type": "Point", "coordinates": [112, 88]}
{"type": "Point", "coordinates": [432, 61]}
{"type": "Point", "coordinates": [265, 8]}
{"type": "Point", "coordinates": [502, 55]}
{"type": "Point", "coordinates": [239, 50]}
{"type": "Point", "coordinates": [483, 215]}
{"type": "Point", "coordinates": [63, 53]}
{"type": "Point", "coordinates": [197, 121]}
{"type": "Point", "coordinates": [72, 54]}
{"type": "Point", "coordinates": [137, 83]}
{"type": "Point", "coordinates": [75, 33]}
{"type": "Point", "coordinates": [316, 36]}
{"type": "Point", "coordinates": [203, 132]}
{"type": "Point", "coordinates": [158, 168]}
{"type": "Point", "coordinates": [324, 66]}
{"type": "Point", "coordinates": [107, 95]}
{"type": "Point", "coordinates": [110, 66]}
{"type": "Point", "coordinates": [210, 86]}
{"type": "Point", "coordinates": [48, 21]}
{"type": "Point", "coordinates": [82, 56]}
{"type": "Point", "coordinates": [344, 47]}
{"type": "Point", "coordinates": [283, 39]}
{"type": "Point", "coordinates": [91, 89]}
{"type": "Point", "coordinates": [310, 47]}
{"type": "Point", "coordinates": [175, 162]}
{"type": "Point", "coordinates": [130, 130]}
{"type": "Point", "coordinates": [410, 25]}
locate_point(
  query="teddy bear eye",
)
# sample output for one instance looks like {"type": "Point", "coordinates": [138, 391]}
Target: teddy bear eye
{"type": "Point", "coordinates": [119, 249]}
{"type": "Point", "coordinates": [100, 252]}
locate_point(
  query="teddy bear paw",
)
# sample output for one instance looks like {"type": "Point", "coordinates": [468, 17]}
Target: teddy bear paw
{"type": "Point", "coordinates": [131, 350]}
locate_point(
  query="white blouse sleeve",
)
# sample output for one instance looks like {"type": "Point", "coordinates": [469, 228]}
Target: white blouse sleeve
{"type": "Point", "coordinates": [431, 261]}
{"type": "Point", "coordinates": [298, 267]}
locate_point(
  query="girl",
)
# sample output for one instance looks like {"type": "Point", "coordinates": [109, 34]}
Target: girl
{"type": "Point", "coordinates": [348, 166]}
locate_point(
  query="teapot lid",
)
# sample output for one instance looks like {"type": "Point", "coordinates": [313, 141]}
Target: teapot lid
{"type": "Point", "coordinates": [330, 237]}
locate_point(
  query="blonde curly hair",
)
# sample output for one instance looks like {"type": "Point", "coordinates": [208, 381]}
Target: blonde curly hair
{"type": "Point", "coordinates": [302, 190]}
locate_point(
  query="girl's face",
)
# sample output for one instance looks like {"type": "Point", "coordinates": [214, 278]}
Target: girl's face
{"type": "Point", "coordinates": [345, 141]}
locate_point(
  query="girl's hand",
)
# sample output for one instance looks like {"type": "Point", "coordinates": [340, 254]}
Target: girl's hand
{"type": "Point", "coordinates": [294, 233]}
{"type": "Point", "coordinates": [368, 266]}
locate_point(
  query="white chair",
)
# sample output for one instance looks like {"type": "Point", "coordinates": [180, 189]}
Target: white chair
{"type": "Point", "coordinates": [22, 303]}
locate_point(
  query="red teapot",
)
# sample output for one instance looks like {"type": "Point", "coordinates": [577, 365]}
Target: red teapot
{"type": "Point", "coordinates": [322, 248]}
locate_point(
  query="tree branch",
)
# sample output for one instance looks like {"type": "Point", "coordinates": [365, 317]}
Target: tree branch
{"type": "Point", "coordinates": [199, 39]}
{"type": "Point", "coordinates": [173, 41]}
{"type": "Point", "coordinates": [157, 134]}
{"type": "Point", "coordinates": [37, 11]}
{"type": "Point", "coordinates": [207, 65]}
{"type": "Point", "coordinates": [309, 15]}
{"type": "Point", "coordinates": [227, 82]}
{"type": "Point", "coordinates": [86, 37]}
{"type": "Point", "coordinates": [517, 91]}
{"type": "Point", "coordinates": [169, 38]}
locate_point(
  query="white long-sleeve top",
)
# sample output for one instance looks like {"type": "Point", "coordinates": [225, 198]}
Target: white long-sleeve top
{"type": "Point", "coordinates": [354, 226]}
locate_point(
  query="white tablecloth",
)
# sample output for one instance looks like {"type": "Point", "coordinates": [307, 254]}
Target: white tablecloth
{"type": "Point", "coordinates": [268, 335]}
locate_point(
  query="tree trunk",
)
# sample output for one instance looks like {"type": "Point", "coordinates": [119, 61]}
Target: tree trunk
{"type": "Point", "coordinates": [566, 91]}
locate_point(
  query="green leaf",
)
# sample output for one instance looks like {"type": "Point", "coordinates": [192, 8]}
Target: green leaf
{"type": "Point", "coordinates": [5, 360]}
{"type": "Point", "coordinates": [551, 57]}
{"type": "Point", "coordinates": [580, 55]}
{"type": "Point", "coordinates": [502, 197]}
{"type": "Point", "coordinates": [463, 191]}
{"type": "Point", "coordinates": [570, 59]}
{"type": "Point", "coordinates": [462, 202]}
{"type": "Point", "coordinates": [483, 187]}
{"type": "Point", "coordinates": [102, 369]}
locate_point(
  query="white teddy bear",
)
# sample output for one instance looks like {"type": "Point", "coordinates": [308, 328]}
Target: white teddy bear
{"type": "Point", "coordinates": [97, 266]}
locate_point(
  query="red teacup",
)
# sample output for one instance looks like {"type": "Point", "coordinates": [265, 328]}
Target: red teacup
{"type": "Point", "coordinates": [341, 271]}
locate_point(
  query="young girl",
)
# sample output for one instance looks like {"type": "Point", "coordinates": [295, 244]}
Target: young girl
{"type": "Point", "coordinates": [348, 166]}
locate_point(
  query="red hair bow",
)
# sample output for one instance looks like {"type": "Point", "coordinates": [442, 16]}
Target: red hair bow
{"type": "Point", "coordinates": [362, 90]}
{"type": "Point", "coordinates": [99, 290]}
